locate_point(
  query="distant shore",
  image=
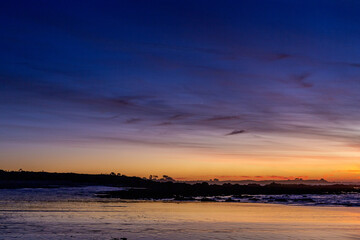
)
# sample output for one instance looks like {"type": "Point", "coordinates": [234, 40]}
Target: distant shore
{"type": "Point", "coordinates": [264, 182]}
{"type": "Point", "coordinates": [139, 188]}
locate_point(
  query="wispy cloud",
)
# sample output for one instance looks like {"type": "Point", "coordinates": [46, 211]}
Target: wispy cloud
{"type": "Point", "coordinates": [235, 132]}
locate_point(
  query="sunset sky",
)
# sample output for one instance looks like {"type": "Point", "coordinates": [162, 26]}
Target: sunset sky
{"type": "Point", "coordinates": [192, 89]}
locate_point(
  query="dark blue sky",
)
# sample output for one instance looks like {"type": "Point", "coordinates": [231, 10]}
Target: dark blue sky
{"type": "Point", "coordinates": [230, 77]}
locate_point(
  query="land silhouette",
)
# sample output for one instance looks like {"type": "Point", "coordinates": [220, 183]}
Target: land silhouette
{"type": "Point", "coordinates": [140, 188]}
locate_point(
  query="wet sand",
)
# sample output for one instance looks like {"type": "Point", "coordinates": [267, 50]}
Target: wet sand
{"type": "Point", "coordinates": [109, 219]}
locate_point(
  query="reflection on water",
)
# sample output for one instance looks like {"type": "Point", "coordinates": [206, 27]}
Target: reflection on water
{"type": "Point", "coordinates": [28, 214]}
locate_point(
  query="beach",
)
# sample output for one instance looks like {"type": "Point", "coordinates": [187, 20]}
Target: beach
{"type": "Point", "coordinates": [74, 213]}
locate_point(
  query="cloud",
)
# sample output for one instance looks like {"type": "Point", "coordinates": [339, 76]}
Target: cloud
{"type": "Point", "coordinates": [222, 118]}
{"type": "Point", "coordinates": [346, 64]}
{"type": "Point", "coordinates": [300, 80]}
{"type": "Point", "coordinates": [155, 141]}
{"type": "Point", "coordinates": [164, 124]}
{"type": "Point", "coordinates": [235, 132]}
{"type": "Point", "coordinates": [133, 120]}
{"type": "Point", "coordinates": [179, 116]}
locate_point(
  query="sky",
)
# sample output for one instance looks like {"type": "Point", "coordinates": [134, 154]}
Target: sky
{"type": "Point", "coordinates": [191, 89]}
